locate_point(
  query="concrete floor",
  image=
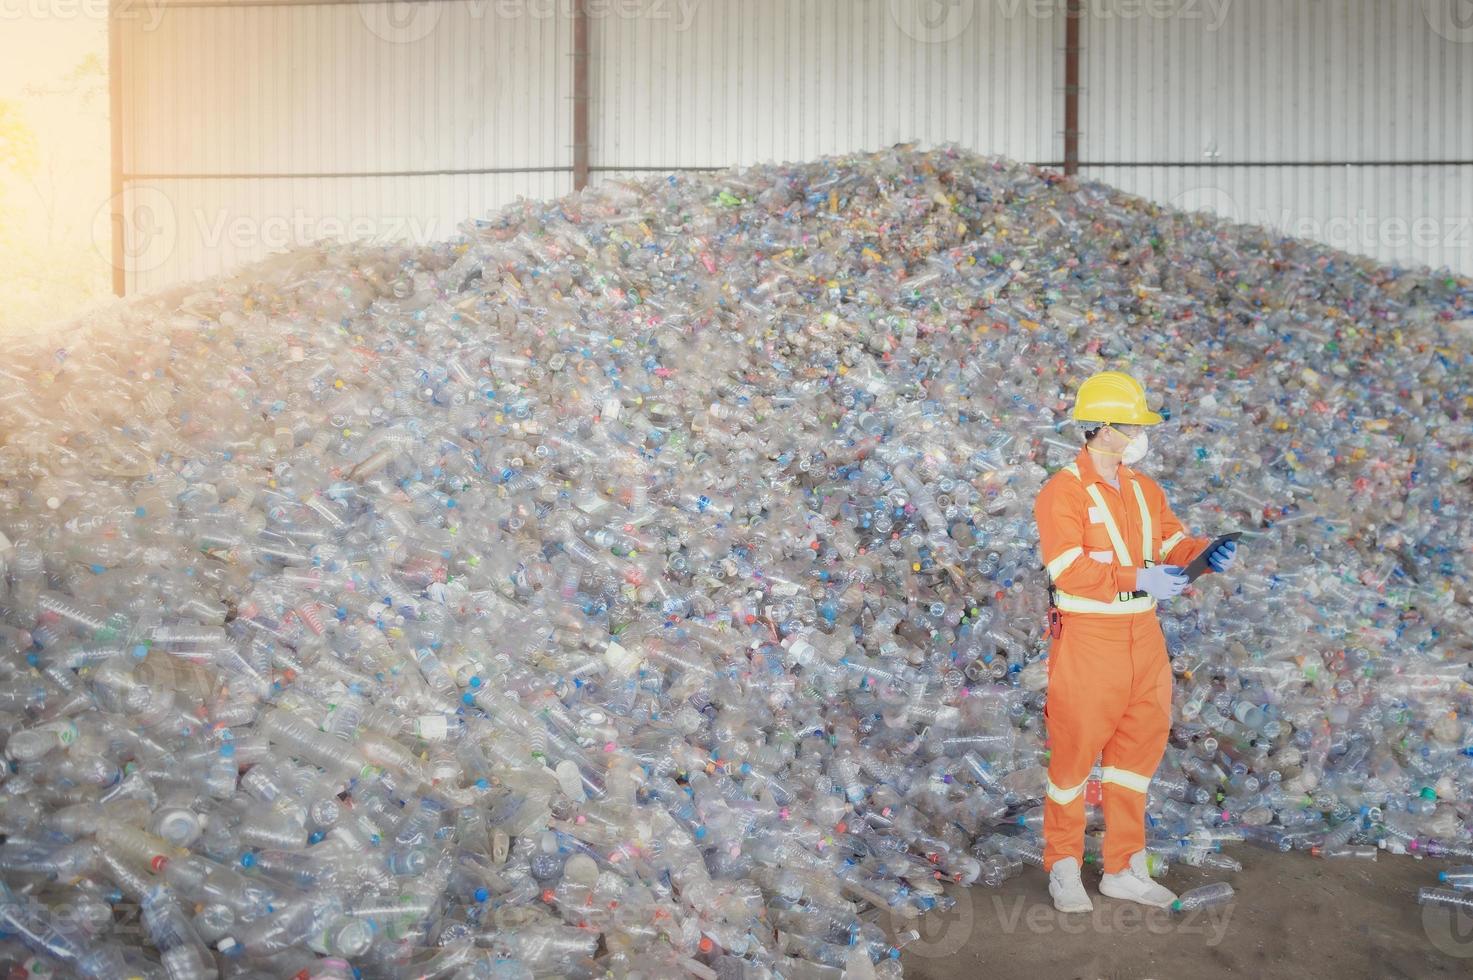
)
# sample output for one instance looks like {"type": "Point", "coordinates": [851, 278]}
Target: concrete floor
{"type": "Point", "coordinates": [1295, 917]}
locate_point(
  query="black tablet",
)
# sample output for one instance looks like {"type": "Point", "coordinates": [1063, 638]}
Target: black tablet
{"type": "Point", "coordinates": [1199, 566]}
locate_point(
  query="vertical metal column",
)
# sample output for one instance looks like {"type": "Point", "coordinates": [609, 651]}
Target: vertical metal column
{"type": "Point", "coordinates": [1073, 14]}
{"type": "Point", "coordinates": [580, 95]}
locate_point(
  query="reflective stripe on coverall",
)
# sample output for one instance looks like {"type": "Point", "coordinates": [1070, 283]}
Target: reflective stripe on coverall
{"type": "Point", "coordinates": [1109, 690]}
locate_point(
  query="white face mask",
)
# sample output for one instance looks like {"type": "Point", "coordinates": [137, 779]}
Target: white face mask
{"type": "Point", "coordinates": [1135, 450]}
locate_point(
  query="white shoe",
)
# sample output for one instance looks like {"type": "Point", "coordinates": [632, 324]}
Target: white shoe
{"type": "Point", "coordinates": [1134, 884]}
{"type": "Point", "coordinates": [1066, 888]}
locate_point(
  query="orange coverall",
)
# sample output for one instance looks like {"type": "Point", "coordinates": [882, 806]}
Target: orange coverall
{"type": "Point", "coordinates": [1109, 680]}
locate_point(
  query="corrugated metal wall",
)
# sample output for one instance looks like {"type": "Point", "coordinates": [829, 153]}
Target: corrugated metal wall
{"type": "Point", "coordinates": [1347, 121]}
{"type": "Point", "coordinates": [190, 228]}
{"type": "Point", "coordinates": [743, 81]}
{"type": "Point", "coordinates": [251, 126]}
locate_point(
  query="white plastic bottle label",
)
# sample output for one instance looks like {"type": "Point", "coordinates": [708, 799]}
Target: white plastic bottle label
{"type": "Point", "coordinates": [620, 659]}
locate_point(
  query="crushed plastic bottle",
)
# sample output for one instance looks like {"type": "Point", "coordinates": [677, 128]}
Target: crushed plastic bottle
{"type": "Point", "coordinates": [646, 581]}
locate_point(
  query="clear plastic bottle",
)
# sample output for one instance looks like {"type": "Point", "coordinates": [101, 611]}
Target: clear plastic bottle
{"type": "Point", "coordinates": [1460, 878]}
{"type": "Point", "coordinates": [1203, 896]}
{"type": "Point", "coordinates": [1446, 898]}
{"type": "Point", "coordinates": [185, 955]}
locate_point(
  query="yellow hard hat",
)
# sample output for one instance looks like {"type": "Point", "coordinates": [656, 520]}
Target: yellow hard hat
{"type": "Point", "coordinates": [1113, 397]}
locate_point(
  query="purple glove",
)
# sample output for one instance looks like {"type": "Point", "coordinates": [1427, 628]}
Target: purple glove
{"type": "Point", "coordinates": [1161, 581]}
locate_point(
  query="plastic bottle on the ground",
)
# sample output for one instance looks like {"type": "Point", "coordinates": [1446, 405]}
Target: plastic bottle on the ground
{"type": "Point", "coordinates": [1447, 898]}
{"type": "Point", "coordinates": [1203, 896]}
{"type": "Point", "coordinates": [1460, 878]}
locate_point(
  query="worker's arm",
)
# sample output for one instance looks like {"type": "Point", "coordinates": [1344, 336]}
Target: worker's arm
{"type": "Point", "coordinates": [1177, 547]}
{"type": "Point", "coordinates": [1061, 515]}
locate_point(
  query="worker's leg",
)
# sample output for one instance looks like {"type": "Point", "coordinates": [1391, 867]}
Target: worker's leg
{"type": "Point", "coordinates": [1131, 756]}
{"type": "Point", "coordinates": [1088, 689]}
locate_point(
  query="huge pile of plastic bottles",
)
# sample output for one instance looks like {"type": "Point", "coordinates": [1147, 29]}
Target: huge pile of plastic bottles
{"type": "Point", "coordinates": [646, 584]}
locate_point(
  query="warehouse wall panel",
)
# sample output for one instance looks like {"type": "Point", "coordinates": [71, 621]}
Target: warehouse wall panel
{"type": "Point", "coordinates": [191, 228]}
{"type": "Point", "coordinates": [1276, 80]}
{"type": "Point", "coordinates": [254, 127]}
{"type": "Point", "coordinates": [339, 103]}
{"type": "Point", "coordinates": [744, 81]}
{"type": "Point", "coordinates": [1412, 215]}
{"type": "Point", "coordinates": [1345, 122]}
{"type": "Point", "coordinates": [338, 88]}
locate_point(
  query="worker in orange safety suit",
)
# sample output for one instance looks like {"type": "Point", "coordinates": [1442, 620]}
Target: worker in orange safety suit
{"type": "Point", "coordinates": [1112, 549]}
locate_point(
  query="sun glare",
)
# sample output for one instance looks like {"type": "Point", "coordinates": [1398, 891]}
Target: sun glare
{"type": "Point", "coordinates": [53, 162]}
